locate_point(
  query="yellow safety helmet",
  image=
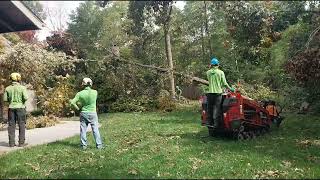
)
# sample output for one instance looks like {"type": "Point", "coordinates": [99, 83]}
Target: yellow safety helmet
{"type": "Point", "coordinates": [15, 77]}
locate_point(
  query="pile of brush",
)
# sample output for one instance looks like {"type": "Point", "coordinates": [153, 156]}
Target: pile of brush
{"type": "Point", "coordinates": [41, 121]}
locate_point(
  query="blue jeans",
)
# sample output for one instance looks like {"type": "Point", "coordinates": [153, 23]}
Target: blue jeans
{"type": "Point", "coordinates": [91, 118]}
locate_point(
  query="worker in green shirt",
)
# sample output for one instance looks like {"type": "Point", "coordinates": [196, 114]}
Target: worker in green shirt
{"type": "Point", "coordinates": [217, 83]}
{"type": "Point", "coordinates": [16, 96]}
{"type": "Point", "coordinates": [87, 99]}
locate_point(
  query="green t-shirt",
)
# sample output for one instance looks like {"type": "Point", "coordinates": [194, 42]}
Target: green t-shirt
{"type": "Point", "coordinates": [87, 98]}
{"type": "Point", "coordinates": [217, 80]}
{"type": "Point", "coordinates": [16, 95]}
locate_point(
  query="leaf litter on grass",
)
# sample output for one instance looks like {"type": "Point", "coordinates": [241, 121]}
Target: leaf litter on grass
{"type": "Point", "coordinates": [286, 164]}
{"type": "Point", "coordinates": [196, 164]}
{"type": "Point", "coordinates": [133, 172]}
{"type": "Point", "coordinates": [169, 149]}
{"type": "Point", "coordinates": [308, 143]}
{"type": "Point", "coordinates": [128, 144]}
{"type": "Point", "coordinates": [314, 159]}
{"type": "Point", "coordinates": [266, 174]}
{"type": "Point", "coordinates": [34, 167]}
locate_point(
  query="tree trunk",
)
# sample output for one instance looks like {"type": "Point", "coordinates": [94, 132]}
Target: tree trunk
{"type": "Point", "coordinates": [1, 109]}
{"type": "Point", "coordinates": [169, 58]}
{"type": "Point", "coordinates": [207, 28]}
{"type": "Point", "coordinates": [203, 45]}
{"type": "Point", "coordinates": [1, 103]}
{"type": "Point", "coordinates": [166, 26]}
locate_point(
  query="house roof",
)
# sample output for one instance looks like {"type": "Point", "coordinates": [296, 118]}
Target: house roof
{"type": "Point", "coordinates": [15, 16]}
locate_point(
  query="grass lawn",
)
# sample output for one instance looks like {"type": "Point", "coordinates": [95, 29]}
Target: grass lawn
{"type": "Point", "coordinates": [171, 145]}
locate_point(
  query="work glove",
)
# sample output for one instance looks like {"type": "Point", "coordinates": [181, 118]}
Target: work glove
{"type": "Point", "coordinates": [232, 89]}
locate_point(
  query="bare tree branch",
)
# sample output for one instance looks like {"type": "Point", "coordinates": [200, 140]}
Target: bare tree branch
{"type": "Point", "coordinates": [311, 36]}
{"type": "Point", "coordinates": [57, 18]}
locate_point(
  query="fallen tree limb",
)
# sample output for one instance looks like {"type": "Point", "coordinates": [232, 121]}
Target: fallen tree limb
{"type": "Point", "coordinates": [312, 34]}
{"type": "Point", "coordinates": [143, 65]}
{"type": "Point", "coordinates": [192, 78]}
{"type": "Point", "coordinates": [160, 69]}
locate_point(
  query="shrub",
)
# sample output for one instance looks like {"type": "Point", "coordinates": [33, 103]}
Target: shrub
{"type": "Point", "coordinates": [316, 107]}
{"type": "Point", "coordinates": [257, 91]}
{"type": "Point", "coordinates": [36, 65]}
{"type": "Point", "coordinates": [56, 100]}
{"type": "Point", "coordinates": [40, 69]}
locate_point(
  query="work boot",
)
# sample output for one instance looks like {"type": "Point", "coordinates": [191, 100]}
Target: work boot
{"type": "Point", "coordinates": [209, 125]}
{"type": "Point", "coordinates": [12, 145]}
{"type": "Point", "coordinates": [23, 145]}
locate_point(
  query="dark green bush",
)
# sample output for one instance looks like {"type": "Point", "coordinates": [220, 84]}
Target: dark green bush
{"type": "Point", "coordinates": [140, 104]}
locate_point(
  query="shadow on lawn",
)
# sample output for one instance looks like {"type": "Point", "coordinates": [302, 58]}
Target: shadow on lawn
{"type": "Point", "coordinates": [102, 169]}
{"type": "Point", "coordinates": [283, 144]}
{"type": "Point", "coordinates": [65, 143]}
{"type": "Point", "coordinates": [186, 118]}
{"type": "Point", "coordinates": [14, 172]}
{"type": "Point", "coordinates": [203, 137]}
{"type": "Point", "coordinates": [105, 170]}
{"type": "Point", "coordinates": [277, 144]}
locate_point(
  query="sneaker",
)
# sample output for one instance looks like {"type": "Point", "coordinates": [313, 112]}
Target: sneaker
{"type": "Point", "coordinates": [100, 147]}
{"type": "Point", "coordinates": [23, 145]}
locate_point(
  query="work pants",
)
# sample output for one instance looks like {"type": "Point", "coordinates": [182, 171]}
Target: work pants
{"type": "Point", "coordinates": [16, 116]}
{"type": "Point", "coordinates": [214, 109]}
{"type": "Point", "coordinates": [91, 118]}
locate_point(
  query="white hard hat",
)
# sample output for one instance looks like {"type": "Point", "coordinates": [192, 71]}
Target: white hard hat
{"type": "Point", "coordinates": [87, 81]}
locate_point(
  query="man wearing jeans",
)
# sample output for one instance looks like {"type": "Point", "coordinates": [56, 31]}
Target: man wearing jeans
{"type": "Point", "coordinates": [217, 82]}
{"type": "Point", "coordinates": [87, 99]}
{"type": "Point", "coordinates": [16, 95]}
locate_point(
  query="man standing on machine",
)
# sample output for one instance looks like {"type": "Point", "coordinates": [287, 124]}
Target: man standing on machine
{"type": "Point", "coordinates": [217, 83]}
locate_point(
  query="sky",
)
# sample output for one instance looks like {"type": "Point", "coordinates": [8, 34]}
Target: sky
{"type": "Point", "coordinates": [66, 7]}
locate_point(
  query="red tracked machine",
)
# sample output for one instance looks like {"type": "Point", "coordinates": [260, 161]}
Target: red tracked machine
{"type": "Point", "coordinates": [241, 116]}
